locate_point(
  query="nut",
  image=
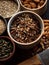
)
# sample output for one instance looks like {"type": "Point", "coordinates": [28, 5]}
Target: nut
{"type": "Point", "coordinates": [37, 1]}
{"type": "Point", "coordinates": [32, 3]}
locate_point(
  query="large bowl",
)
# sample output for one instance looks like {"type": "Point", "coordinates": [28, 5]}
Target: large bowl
{"type": "Point", "coordinates": [26, 45]}
{"type": "Point", "coordinates": [41, 10]}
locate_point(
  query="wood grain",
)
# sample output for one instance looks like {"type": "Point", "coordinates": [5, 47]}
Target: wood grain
{"type": "Point", "coordinates": [31, 61]}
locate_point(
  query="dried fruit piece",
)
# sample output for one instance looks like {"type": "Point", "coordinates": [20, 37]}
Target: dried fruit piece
{"type": "Point", "coordinates": [7, 8]}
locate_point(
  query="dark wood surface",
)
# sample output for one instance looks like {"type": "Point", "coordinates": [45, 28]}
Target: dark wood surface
{"type": "Point", "coordinates": [31, 61]}
{"type": "Point", "coordinates": [22, 55]}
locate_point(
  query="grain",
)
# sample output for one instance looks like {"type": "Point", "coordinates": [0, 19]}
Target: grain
{"type": "Point", "coordinates": [7, 8]}
{"type": "Point", "coordinates": [2, 26]}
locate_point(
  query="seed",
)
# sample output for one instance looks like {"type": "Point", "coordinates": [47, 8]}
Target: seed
{"type": "Point", "coordinates": [33, 5]}
{"type": "Point", "coordinates": [7, 8]}
{"type": "Point", "coordinates": [46, 24]}
{"type": "Point", "coordinates": [37, 1]}
{"type": "Point", "coordinates": [27, 5]}
{"type": "Point", "coordinates": [42, 45]}
{"type": "Point", "coordinates": [47, 27]}
{"type": "Point", "coordinates": [41, 2]}
{"type": "Point", "coordinates": [46, 21]}
{"type": "Point", "coordinates": [38, 5]}
{"type": "Point", "coordinates": [5, 48]}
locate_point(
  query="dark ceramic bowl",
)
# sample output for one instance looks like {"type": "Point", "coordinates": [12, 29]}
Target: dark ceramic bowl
{"type": "Point", "coordinates": [11, 54]}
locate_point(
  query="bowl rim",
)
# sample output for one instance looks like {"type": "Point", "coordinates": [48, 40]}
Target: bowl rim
{"type": "Point", "coordinates": [33, 8]}
{"type": "Point", "coordinates": [8, 28]}
{"type": "Point", "coordinates": [11, 54]}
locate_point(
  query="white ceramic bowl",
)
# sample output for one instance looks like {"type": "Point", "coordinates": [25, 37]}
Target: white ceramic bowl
{"type": "Point", "coordinates": [26, 45]}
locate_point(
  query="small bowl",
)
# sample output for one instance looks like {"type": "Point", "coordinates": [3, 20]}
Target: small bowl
{"type": "Point", "coordinates": [4, 20]}
{"type": "Point", "coordinates": [11, 54]}
{"type": "Point", "coordinates": [18, 8]}
{"type": "Point", "coordinates": [41, 10]}
{"type": "Point", "coordinates": [26, 45]}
